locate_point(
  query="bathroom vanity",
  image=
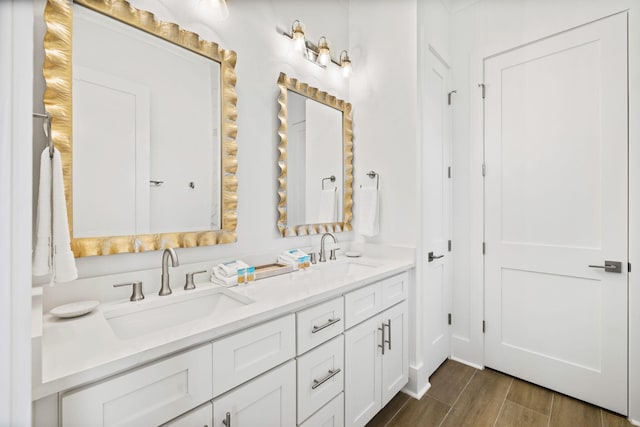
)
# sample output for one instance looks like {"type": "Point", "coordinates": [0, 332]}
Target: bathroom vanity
{"type": "Point", "coordinates": [304, 348]}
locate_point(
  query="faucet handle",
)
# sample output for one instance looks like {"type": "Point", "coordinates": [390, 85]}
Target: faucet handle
{"type": "Point", "coordinates": [332, 254]}
{"type": "Point", "coordinates": [189, 282]}
{"type": "Point", "coordinates": [136, 294]}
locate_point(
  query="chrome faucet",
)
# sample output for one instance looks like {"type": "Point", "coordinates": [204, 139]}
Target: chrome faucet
{"type": "Point", "coordinates": [169, 252]}
{"type": "Point", "coordinates": [323, 252]}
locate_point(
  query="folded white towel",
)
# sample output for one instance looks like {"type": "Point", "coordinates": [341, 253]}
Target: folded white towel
{"type": "Point", "coordinates": [368, 218]}
{"type": "Point", "coordinates": [227, 269]}
{"type": "Point", "coordinates": [218, 278]}
{"type": "Point", "coordinates": [52, 253]}
{"type": "Point", "coordinates": [328, 205]}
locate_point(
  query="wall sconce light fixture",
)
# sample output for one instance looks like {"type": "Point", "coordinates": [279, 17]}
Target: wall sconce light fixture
{"type": "Point", "coordinates": [319, 54]}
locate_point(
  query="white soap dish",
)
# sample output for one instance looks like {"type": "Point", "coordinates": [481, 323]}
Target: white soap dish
{"type": "Point", "coordinates": [74, 309]}
{"type": "Point", "coordinates": [353, 254]}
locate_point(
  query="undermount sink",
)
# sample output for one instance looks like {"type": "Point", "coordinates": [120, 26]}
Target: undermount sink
{"type": "Point", "coordinates": [345, 268]}
{"type": "Point", "coordinates": [131, 320]}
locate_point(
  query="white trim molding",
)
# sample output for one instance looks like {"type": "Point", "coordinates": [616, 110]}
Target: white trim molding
{"type": "Point", "coordinates": [16, 89]}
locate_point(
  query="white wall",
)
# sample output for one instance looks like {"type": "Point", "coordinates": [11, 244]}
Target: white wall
{"type": "Point", "coordinates": [491, 26]}
{"type": "Point", "coordinates": [16, 39]}
{"type": "Point", "coordinates": [384, 95]}
{"type": "Point", "coordinates": [250, 30]}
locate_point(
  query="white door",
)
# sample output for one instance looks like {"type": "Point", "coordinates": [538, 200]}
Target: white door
{"type": "Point", "coordinates": [362, 372]}
{"type": "Point", "coordinates": [269, 400]}
{"type": "Point", "coordinates": [395, 360]}
{"type": "Point", "coordinates": [436, 208]}
{"type": "Point", "coordinates": [556, 207]}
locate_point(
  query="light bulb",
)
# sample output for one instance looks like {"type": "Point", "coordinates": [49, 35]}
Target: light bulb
{"type": "Point", "coordinates": [345, 63]}
{"type": "Point", "coordinates": [324, 54]}
{"type": "Point", "coordinates": [297, 34]}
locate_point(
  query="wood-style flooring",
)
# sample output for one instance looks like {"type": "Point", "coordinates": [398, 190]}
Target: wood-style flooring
{"type": "Point", "coordinates": [463, 396]}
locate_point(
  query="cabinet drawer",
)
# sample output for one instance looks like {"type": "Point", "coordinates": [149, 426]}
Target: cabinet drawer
{"type": "Point", "coordinates": [319, 323]}
{"type": "Point", "coordinates": [148, 396]}
{"type": "Point", "coordinates": [199, 417]}
{"type": "Point", "coordinates": [249, 353]}
{"type": "Point", "coordinates": [394, 290]}
{"type": "Point", "coordinates": [361, 304]}
{"type": "Point", "coordinates": [320, 376]}
{"type": "Point", "coordinates": [332, 415]}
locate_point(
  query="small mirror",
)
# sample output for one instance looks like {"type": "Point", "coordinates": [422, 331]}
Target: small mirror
{"type": "Point", "coordinates": [143, 114]}
{"type": "Point", "coordinates": [316, 160]}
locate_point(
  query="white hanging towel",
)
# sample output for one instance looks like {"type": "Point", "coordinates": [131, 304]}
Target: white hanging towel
{"type": "Point", "coordinates": [53, 245]}
{"type": "Point", "coordinates": [368, 222]}
{"type": "Point", "coordinates": [328, 205]}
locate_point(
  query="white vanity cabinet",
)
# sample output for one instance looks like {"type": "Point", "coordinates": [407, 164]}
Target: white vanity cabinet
{"type": "Point", "coordinates": [376, 350]}
{"type": "Point", "coordinates": [269, 400]}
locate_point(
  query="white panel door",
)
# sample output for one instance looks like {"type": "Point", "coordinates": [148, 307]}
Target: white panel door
{"type": "Point", "coordinates": [556, 203]}
{"type": "Point", "coordinates": [436, 210]}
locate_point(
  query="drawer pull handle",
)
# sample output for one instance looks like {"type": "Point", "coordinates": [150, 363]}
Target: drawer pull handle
{"type": "Point", "coordinates": [227, 419]}
{"type": "Point", "coordinates": [383, 339]}
{"type": "Point", "coordinates": [388, 325]}
{"type": "Point", "coordinates": [318, 383]}
{"type": "Point", "coordinates": [326, 325]}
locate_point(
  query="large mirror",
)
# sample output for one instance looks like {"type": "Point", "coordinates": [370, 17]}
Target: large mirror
{"type": "Point", "coordinates": [316, 160]}
{"type": "Point", "coordinates": [144, 118]}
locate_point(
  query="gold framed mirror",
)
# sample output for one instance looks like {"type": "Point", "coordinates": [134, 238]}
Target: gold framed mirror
{"type": "Point", "coordinates": [316, 160]}
{"type": "Point", "coordinates": [212, 194]}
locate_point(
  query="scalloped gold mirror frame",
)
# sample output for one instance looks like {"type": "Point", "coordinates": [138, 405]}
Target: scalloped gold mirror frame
{"type": "Point", "coordinates": [58, 16]}
{"type": "Point", "coordinates": [286, 83]}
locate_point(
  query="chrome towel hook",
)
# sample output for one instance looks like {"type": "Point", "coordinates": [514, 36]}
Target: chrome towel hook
{"type": "Point", "coordinates": [376, 175]}
{"type": "Point", "coordinates": [47, 130]}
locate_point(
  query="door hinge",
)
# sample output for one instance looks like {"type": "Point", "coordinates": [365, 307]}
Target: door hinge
{"type": "Point", "coordinates": [449, 318]}
{"type": "Point", "coordinates": [449, 247]}
{"type": "Point", "coordinates": [449, 172]}
{"type": "Point", "coordinates": [484, 248]}
{"type": "Point", "coordinates": [484, 170]}
{"type": "Point", "coordinates": [483, 326]}
{"type": "Point", "coordinates": [628, 267]}
{"type": "Point", "coordinates": [484, 89]}
{"type": "Point", "coordinates": [449, 96]}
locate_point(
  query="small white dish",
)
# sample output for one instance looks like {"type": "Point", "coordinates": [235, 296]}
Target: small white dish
{"type": "Point", "coordinates": [74, 309]}
{"type": "Point", "coordinates": [353, 254]}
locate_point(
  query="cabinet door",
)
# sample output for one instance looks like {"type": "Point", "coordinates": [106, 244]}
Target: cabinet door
{"type": "Point", "coordinates": [146, 396]}
{"type": "Point", "coordinates": [199, 417]}
{"type": "Point", "coordinates": [269, 400]}
{"type": "Point", "coordinates": [362, 372]}
{"type": "Point", "coordinates": [395, 361]}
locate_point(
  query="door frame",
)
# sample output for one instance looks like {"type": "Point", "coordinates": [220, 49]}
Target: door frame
{"type": "Point", "coordinates": [474, 353]}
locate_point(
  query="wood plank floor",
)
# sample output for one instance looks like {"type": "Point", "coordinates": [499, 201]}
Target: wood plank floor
{"type": "Point", "coordinates": [463, 396]}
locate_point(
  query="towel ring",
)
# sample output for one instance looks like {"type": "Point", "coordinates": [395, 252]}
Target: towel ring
{"type": "Point", "coordinates": [331, 178]}
{"type": "Point", "coordinates": [47, 131]}
{"type": "Point", "coordinates": [376, 175]}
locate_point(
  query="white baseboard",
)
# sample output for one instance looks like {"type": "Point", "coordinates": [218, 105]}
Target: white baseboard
{"type": "Point", "coordinates": [473, 365]}
{"type": "Point", "coordinates": [420, 393]}
{"type": "Point", "coordinates": [634, 422]}
{"type": "Point", "coordinates": [418, 382]}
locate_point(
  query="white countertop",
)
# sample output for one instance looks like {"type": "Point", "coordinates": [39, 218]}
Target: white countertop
{"type": "Point", "coordinates": [85, 349]}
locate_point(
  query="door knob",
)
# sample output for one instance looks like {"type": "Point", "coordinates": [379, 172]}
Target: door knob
{"type": "Point", "coordinates": [610, 266]}
{"type": "Point", "coordinates": [431, 256]}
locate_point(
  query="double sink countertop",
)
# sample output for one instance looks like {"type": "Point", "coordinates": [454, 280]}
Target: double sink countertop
{"type": "Point", "coordinates": [81, 350]}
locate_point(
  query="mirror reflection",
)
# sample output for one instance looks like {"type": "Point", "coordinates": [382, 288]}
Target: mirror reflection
{"type": "Point", "coordinates": [146, 119]}
{"type": "Point", "coordinates": [315, 161]}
